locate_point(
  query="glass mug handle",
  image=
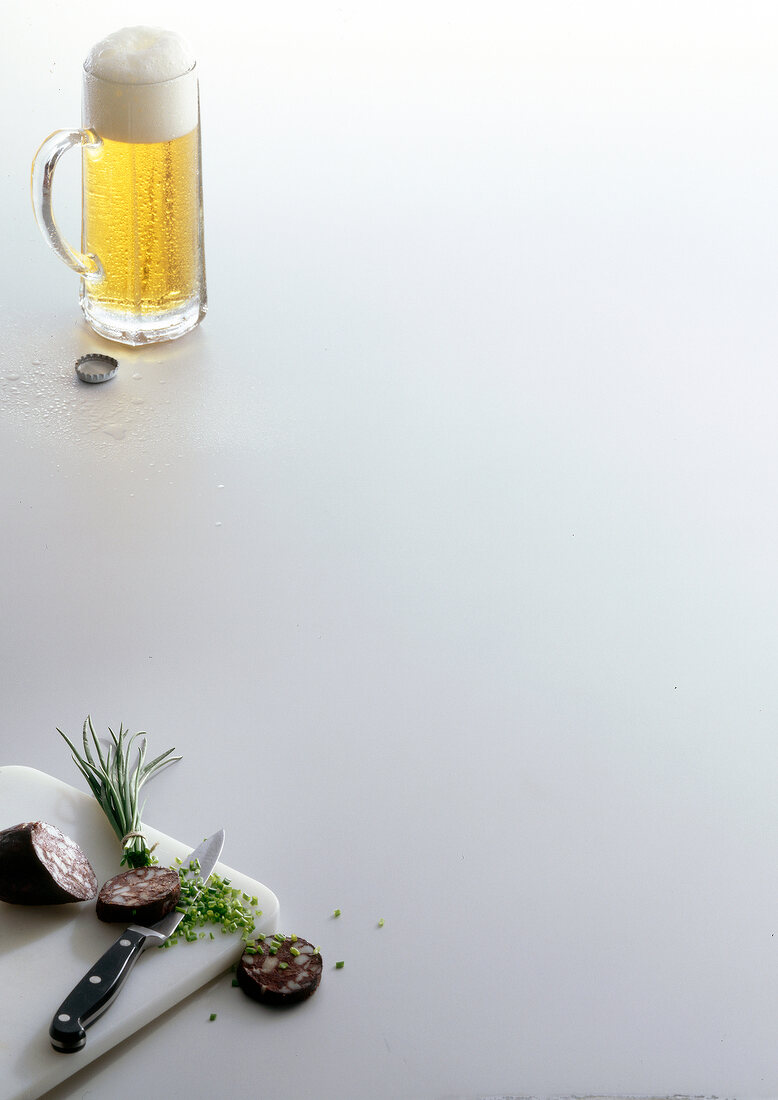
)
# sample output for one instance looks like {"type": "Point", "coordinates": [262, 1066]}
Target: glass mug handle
{"type": "Point", "coordinates": [86, 265]}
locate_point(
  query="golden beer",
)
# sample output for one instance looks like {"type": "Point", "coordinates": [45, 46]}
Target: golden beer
{"type": "Point", "coordinates": [141, 218]}
{"type": "Point", "coordinates": [141, 263]}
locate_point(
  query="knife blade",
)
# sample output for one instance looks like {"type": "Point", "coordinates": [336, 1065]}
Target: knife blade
{"type": "Point", "coordinates": [98, 988]}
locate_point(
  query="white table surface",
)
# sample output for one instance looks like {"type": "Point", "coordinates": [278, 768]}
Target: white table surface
{"type": "Point", "coordinates": [446, 551]}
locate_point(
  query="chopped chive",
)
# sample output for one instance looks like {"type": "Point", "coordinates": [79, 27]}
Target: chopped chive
{"type": "Point", "coordinates": [381, 923]}
{"type": "Point", "coordinates": [216, 904]}
{"type": "Point", "coordinates": [212, 1016]}
{"type": "Point", "coordinates": [294, 951]}
{"type": "Point", "coordinates": [283, 966]}
{"type": "Point", "coordinates": [339, 965]}
{"type": "Point", "coordinates": [336, 913]}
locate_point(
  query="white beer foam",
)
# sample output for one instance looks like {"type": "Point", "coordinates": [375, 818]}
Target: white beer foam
{"type": "Point", "coordinates": [140, 55]}
{"type": "Point", "coordinates": [140, 86]}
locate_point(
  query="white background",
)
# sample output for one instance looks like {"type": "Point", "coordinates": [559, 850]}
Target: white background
{"type": "Point", "coordinates": [445, 550]}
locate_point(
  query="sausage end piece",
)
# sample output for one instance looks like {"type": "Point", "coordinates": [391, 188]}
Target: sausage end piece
{"type": "Point", "coordinates": [40, 865]}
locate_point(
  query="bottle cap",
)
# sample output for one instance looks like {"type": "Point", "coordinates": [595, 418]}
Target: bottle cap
{"type": "Point", "coordinates": [96, 367]}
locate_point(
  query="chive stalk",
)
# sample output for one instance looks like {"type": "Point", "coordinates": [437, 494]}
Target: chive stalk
{"type": "Point", "coordinates": [115, 778]}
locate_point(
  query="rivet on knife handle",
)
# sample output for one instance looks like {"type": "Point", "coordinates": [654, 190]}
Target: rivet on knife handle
{"type": "Point", "coordinates": [93, 994]}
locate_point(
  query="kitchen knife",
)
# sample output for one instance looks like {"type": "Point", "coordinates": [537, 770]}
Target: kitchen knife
{"type": "Point", "coordinates": [100, 985]}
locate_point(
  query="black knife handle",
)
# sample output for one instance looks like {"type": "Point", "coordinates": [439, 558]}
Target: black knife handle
{"type": "Point", "coordinates": [95, 991]}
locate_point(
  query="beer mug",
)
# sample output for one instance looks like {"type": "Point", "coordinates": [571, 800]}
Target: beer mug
{"type": "Point", "coordinates": [141, 262]}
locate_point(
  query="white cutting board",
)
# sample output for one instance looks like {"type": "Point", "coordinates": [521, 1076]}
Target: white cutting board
{"type": "Point", "coordinates": [45, 950]}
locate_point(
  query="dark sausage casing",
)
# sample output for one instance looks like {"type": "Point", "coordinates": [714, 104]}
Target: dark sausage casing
{"type": "Point", "coordinates": [39, 865]}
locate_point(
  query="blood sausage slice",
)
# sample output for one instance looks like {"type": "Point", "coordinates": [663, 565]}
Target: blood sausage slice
{"type": "Point", "coordinates": [280, 971]}
{"type": "Point", "coordinates": [39, 865]}
{"type": "Point", "coordinates": [143, 895]}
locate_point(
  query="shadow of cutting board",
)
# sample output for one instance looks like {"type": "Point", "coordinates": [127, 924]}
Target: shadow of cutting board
{"type": "Point", "coordinates": [46, 950]}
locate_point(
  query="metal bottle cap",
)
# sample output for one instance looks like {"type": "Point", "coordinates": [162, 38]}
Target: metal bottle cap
{"type": "Point", "coordinates": [96, 367]}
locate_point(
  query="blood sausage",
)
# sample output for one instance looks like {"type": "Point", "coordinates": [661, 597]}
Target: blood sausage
{"type": "Point", "coordinates": [143, 895]}
{"type": "Point", "coordinates": [39, 865]}
{"type": "Point", "coordinates": [280, 970]}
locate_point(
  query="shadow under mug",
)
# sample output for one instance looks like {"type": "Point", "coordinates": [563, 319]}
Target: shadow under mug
{"type": "Point", "coordinates": [141, 263]}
